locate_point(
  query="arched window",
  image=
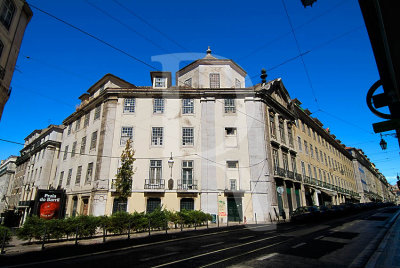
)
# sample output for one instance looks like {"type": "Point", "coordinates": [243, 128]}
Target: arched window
{"type": "Point", "coordinates": [7, 13]}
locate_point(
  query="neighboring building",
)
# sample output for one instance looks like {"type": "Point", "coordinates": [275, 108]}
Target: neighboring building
{"type": "Point", "coordinates": [371, 184]}
{"type": "Point", "coordinates": [7, 171]}
{"type": "Point", "coordinates": [14, 17]}
{"type": "Point", "coordinates": [36, 167]}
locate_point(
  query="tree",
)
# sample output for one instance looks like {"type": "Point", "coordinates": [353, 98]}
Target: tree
{"type": "Point", "coordinates": [123, 183]}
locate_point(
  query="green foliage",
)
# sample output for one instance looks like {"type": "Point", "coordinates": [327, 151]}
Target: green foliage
{"type": "Point", "coordinates": [32, 228]}
{"type": "Point", "coordinates": [55, 228]}
{"type": "Point", "coordinates": [157, 218]}
{"type": "Point", "coordinates": [139, 221]}
{"type": "Point", "coordinates": [119, 222]}
{"type": "Point", "coordinates": [87, 225]}
{"type": "Point", "coordinates": [123, 183]}
{"type": "Point", "coordinates": [5, 230]}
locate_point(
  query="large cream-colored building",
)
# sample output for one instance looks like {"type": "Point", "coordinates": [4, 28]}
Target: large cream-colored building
{"type": "Point", "coordinates": [14, 17]}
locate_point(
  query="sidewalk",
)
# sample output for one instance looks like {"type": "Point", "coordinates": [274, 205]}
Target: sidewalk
{"type": "Point", "coordinates": [387, 254]}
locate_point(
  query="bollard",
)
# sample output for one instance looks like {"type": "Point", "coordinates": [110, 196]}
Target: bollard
{"type": "Point", "coordinates": [207, 224]}
{"type": "Point", "coordinates": [3, 243]}
{"type": "Point", "coordinates": [270, 217]}
{"type": "Point", "coordinates": [195, 226]}
{"type": "Point", "coordinates": [181, 226]}
{"type": "Point", "coordinates": [149, 227]}
{"type": "Point", "coordinates": [104, 234]}
{"type": "Point", "coordinates": [255, 217]}
{"type": "Point", "coordinates": [76, 235]}
{"type": "Point", "coordinates": [166, 226]}
{"type": "Point", "coordinates": [227, 221]}
{"type": "Point", "coordinates": [218, 220]}
{"type": "Point", "coordinates": [129, 230]}
{"type": "Point", "coordinates": [44, 237]}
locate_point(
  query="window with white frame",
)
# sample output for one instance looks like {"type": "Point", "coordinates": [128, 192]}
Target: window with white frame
{"type": "Point", "coordinates": [93, 141]}
{"type": "Point", "coordinates": [158, 106]}
{"type": "Point", "coordinates": [78, 124]}
{"type": "Point", "coordinates": [83, 145]}
{"type": "Point", "coordinates": [69, 176]}
{"type": "Point", "coordinates": [155, 173]}
{"type": "Point", "coordinates": [78, 175]}
{"type": "Point", "coordinates": [97, 112]}
{"type": "Point", "coordinates": [126, 134]}
{"type": "Point", "coordinates": [187, 106]}
{"type": "Point", "coordinates": [232, 164]}
{"type": "Point", "coordinates": [230, 131]}
{"type": "Point", "coordinates": [89, 173]}
{"type": "Point", "coordinates": [229, 106]}
{"type": "Point", "coordinates": [232, 185]}
{"type": "Point", "coordinates": [311, 151]}
{"type": "Point", "coordinates": [187, 174]}
{"type": "Point", "coordinates": [157, 136]}
{"type": "Point", "coordinates": [86, 121]}
{"type": "Point", "coordinates": [214, 80]}
{"type": "Point", "coordinates": [187, 136]}
{"type": "Point", "coordinates": [69, 129]}
{"type": "Point", "coordinates": [7, 13]}
{"type": "Point", "coordinates": [61, 179]}
{"type": "Point", "coordinates": [299, 143]}
{"type": "Point", "coordinates": [129, 105]}
{"type": "Point", "coordinates": [65, 152]}
{"type": "Point", "coordinates": [272, 125]}
{"type": "Point", "coordinates": [305, 147]}
{"type": "Point", "coordinates": [237, 83]}
{"type": "Point", "coordinates": [160, 82]}
{"type": "Point", "coordinates": [73, 149]}
{"type": "Point", "coordinates": [275, 159]}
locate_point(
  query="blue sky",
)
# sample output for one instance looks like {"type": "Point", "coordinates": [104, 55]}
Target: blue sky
{"type": "Point", "coordinates": [58, 63]}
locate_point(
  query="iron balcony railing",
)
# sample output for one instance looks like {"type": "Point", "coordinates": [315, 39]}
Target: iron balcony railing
{"type": "Point", "coordinates": [290, 174]}
{"type": "Point", "coordinates": [298, 177]}
{"type": "Point", "coordinates": [187, 185]}
{"type": "Point", "coordinates": [154, 184]}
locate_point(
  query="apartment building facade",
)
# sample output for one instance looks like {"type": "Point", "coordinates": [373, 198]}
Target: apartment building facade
{"type": "Point", "coordinates": [14, 17]}
{"type": "Point", "coordinates": [7, 171]}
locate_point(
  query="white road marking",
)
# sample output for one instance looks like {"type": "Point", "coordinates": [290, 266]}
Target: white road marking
{"type": "Point", "coordinates": [245, 237]}
{"type": "Point", "coordinates": [267, 256]}
{"type": "Point", "coordinates": [319, 237]}
{"type": "Point", "coordinates": [158, 256]}
{"type": "Point", "coordinates": [210, 245]}
{"type": "Point", "coordinates": [220, 250]}
{"type": "Point", "coordinates": [299, 245]}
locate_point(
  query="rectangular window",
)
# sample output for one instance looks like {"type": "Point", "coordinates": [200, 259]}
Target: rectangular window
{"type": "Point", "coordinates": [83, 145]}
{"type": "Point", "coordinates": [129, 105]}
{"type": "Point", "coordinates": [290, 134]}
{"type": "Point", "coordinates": [93, 141]}
{"type": "Point", "coordinates": [187, 173]}
{"type": "Point", "coordinates": [214, 80]}
{"type": "Point", "coordinates": [187, 106]}
{"type": "Point", "coordinates": [157, 136]}
{"type": "Point", "coordinates": [305, 147]}
{"type": "Point", "coordinates": [155, 171]}
{"type": "Point", "coordinates": [275, 158]}
{"type": "Point", "coordinates": [316, 153]}
{"type": "Point", "coordinates": [232, 185]}
{"type": "Point", "coordinates": [303, 169]}
{"type": "Point", "coordinates": [309, 171]}
{"type": "Point", "coordinates": [126, 134]}
{"type": "Point", "coordinates": [89, 173]}
{"type": "Point", "coordinates": [285, 162]}
{"type": "Point", "coordinates": [230, 131]}
{"type": "Point", "coordinates": [293, 160]}
{"type": "Point", "coordinates": [7, 13]}
{"type": "Point", "coordinates": [322, 158]}
{"type": "Point", "coordinates": [160, 82]}
{"type": "Point", "coordinates": [69, 176]}
{"type": "Point", "coordinates": [61, 179]}
{"type": "Point", "coordinates": [272, 125]}
{"type": "Point", "coordinates": [153, 204]}
{"type": "Point", "coordinates": [87, 119]}
{"type": "Point", "coordinates": [303, 126]}
{"type": "Point", "coordinates": [237, 83]}
{"type": "Point", "coordinates": [311, 151]}
{"type": "Point", "coordinates": [187, 136]}
{"type": "Point", "coordinates": [78, 175]}
{"type": "Point", "coordinates": [65, 152]}
{"type": "Point", "coordinates": [299, 142]}
{"type": "Point", "coordinates": [78, 124]}
{"type": "Point", "coordinates": [313, 134]}
{"type": "Point", "coordinates": [282, 131]}
{"type": "Point", "coordinates": [73, 149]}
{"type": "Point", "coordinates": [309, 131]}
{"type": "Point", "coordinates": [97, 112]}
{"type": "Point", "coordinates": [158, 106]}
{"type": "Point", "coordinates": [232, 164]}
{"type": "Point", "coordinates": [230, 106]}
{"type": "Point", "coordinates": [69, 129]}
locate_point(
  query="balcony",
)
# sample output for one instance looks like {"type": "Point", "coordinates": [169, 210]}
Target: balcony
{"type": "Point", "coordinates": [154, 184]}
{"type": "Point", "coordinates": [298, 177]}
{"type": "Point", "coordinates": [290, 174]}
{"type": "Point", "coordinates": [186, 185]}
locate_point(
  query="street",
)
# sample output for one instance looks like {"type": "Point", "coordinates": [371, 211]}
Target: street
{"type": "Point", "coordinates": [341, 242]}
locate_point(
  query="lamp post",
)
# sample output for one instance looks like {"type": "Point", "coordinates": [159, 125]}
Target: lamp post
{"type": "Point", "coordinates": [170, 181]}
{"type": "Point", "coordinates": [383, 143]}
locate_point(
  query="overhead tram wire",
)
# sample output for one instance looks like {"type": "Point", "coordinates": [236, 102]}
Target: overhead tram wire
{"type": "Point", "coordinates": [148, 24]}
{"type": "Point", "coordinates": [299, 50]}
{"type": "Point", "coordinates": [95, 38]}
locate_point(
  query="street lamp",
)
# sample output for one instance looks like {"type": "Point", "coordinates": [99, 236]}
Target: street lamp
{"type": "Point", "coordinates": [170, 181]}
{"type": "Point", "coordinates": [383, 143]}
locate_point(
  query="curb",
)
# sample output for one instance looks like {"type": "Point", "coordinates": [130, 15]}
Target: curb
{"type": "Point", "coordinates": [369, 256]}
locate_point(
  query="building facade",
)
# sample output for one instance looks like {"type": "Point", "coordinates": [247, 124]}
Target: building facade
{"type": "Point", "coordinates": [7, 171]}
{"type": "Point", "coordinates": [14, 17]}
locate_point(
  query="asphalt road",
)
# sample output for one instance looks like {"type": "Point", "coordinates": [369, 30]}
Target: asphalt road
{"type": "Point", "coordinates": [336, 243]}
